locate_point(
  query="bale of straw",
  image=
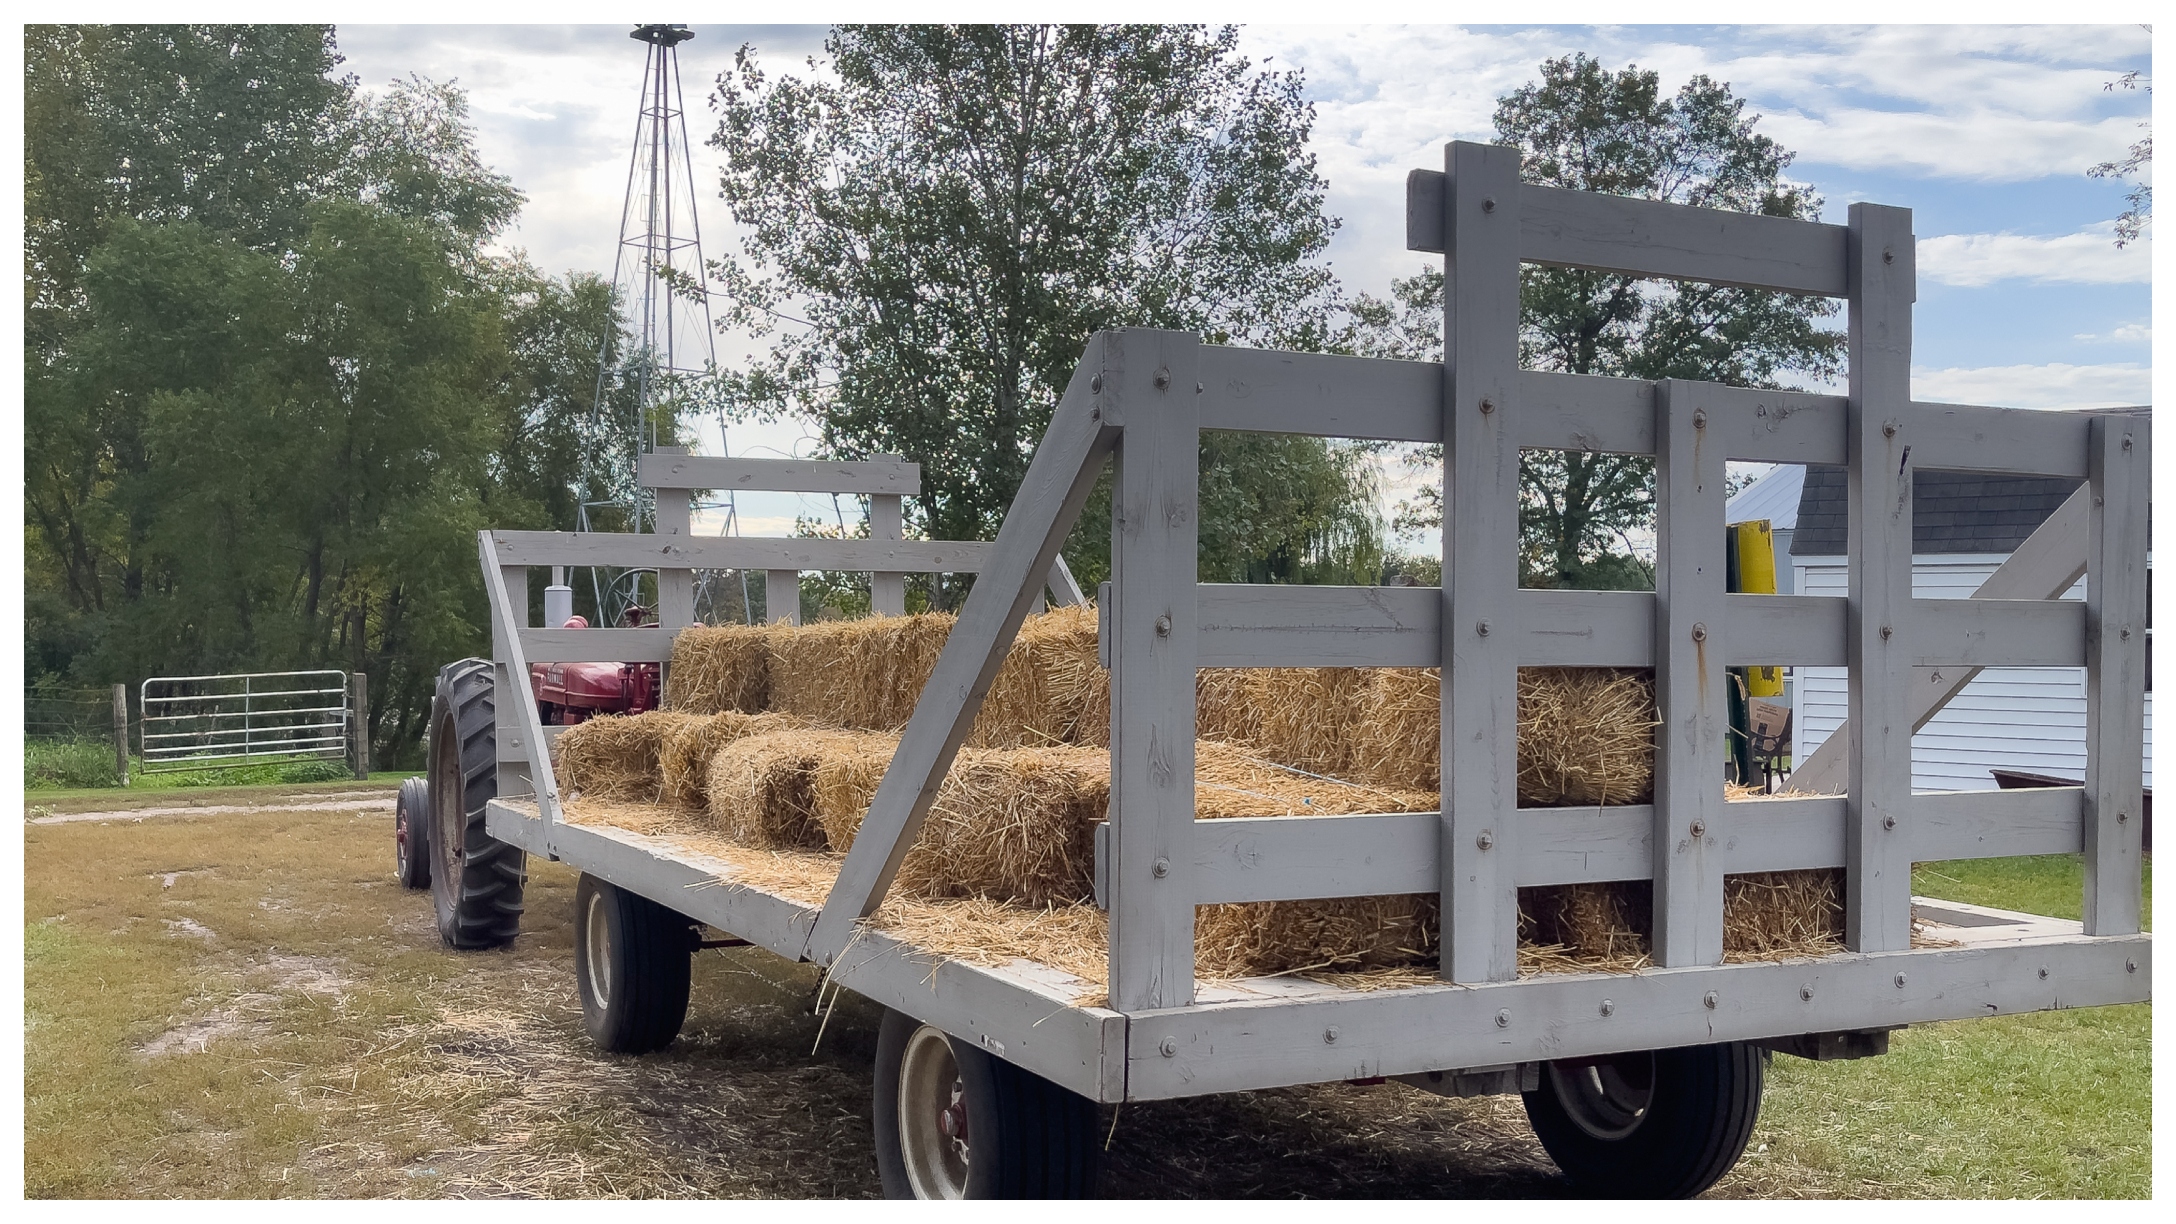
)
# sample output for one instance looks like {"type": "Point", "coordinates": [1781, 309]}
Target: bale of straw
{"type": "Point", "coordinates": [865, 674]}
{"type": "Point", "coordinates": [1771, 915]}
{"type": "Point", "coordinates": [684, 755]}
{"type": "Point", "coordinates": [720, 668]}
{"type": "Point", "coordinates": [1586, 734]}
{"type": "Point", "coordinates": [616, 756]}
{"type": "Point", "coordinates": [1050, 689]}
{"type": "Point", "coordinates": [760, 788]}
{"type": "Point", "coordinates": [1265, 938]}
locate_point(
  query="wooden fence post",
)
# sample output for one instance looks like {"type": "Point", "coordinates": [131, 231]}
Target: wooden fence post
{"type": "Point", "coordinates": [362, 727]}
{"type": "Point", "coordinates": [120, 732]}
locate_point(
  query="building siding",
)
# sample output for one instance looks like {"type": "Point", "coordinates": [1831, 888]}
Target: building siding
{"type": "Point", "coordinates": [2030, 718]}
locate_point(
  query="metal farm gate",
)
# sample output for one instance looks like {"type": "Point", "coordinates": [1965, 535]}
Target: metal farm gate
{"type": "Point", "coordinates": [205, 722]}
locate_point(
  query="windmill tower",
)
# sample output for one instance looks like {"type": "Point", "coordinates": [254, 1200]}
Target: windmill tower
{"type": "Point", "coordinates": [659, 281]}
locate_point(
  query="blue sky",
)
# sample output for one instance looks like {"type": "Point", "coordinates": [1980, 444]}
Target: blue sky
{"type": "Point", "coordinates": [1984, 131]}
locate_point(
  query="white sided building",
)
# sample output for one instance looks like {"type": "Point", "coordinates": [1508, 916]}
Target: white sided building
{"type": "Point", "coordinates": [1964, 525]}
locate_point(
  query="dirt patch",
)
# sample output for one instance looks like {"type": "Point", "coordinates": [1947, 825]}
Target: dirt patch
{"type": "Point", "coordinates": [329, 803]}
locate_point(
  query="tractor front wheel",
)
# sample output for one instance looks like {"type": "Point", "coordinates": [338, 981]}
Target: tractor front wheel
{"type": "Point", "coordinates": [476, 879]}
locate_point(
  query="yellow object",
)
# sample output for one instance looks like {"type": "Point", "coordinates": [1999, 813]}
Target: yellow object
{"type": "Point", "coordinates": [1757, 576]}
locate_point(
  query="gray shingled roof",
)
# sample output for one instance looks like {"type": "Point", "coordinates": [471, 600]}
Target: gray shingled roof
{"type": "Point", "coordinates": [1952, 512]}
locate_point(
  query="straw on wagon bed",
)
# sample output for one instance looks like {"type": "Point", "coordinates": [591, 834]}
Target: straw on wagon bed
{"type": "Point", "coordinates": [1013, 824]}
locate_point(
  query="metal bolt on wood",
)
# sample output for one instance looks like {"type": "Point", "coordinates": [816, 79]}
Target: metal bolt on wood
{"type": "Point", "coordinates": [1481, 628]}
{"type": "Point", "coordinates": [1160, 868]}
{"type": "Point", "coordinates": [1888, 822]}
{"type": "Point", "coordinates": [1329, 1035]}
{"type": "Point", "coordinates": [1163, 380]}
{"type": "Point", "coordinates": [1163, 626]}
{"type": "Point", "coordinates": [1168, 1047]}
{"type": "Point", "coordinates": [1900, 981]}
{"type": "Point", "coordinates": [2043, 973]}
{"type": "Point", "coordinates": [1710, 1000]}
{"type": "Point", "coordinates": [1805, 992]}
{"type": "Point", "coordinates": [1503, 1018]}
{"type": "Point", "coordinates": [1485, 840]}
{"type": "Point", "coordinates": [1699, 633]}
{"type": "Point", "coordinates": [1699, 829]}
{"type": "Point", "coordinates": [1487, 406]}
{"type": "Point", "coordinates": [1609, 1007]}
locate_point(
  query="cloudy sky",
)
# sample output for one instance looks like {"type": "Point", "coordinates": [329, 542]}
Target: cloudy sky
{"type": "Point", "coordinates": [1985, 132]}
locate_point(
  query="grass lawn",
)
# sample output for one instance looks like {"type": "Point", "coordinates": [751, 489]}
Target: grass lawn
{"type": "Point", "coordinates": [2045, 1105]}
{"type": "Point", "coordinates": [246, 1004]}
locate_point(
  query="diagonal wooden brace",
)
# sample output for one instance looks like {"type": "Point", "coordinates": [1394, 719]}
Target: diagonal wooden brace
{"type": "Point", "coordinates": [1056, 486]}
{"type": "Point", "coordinates": [2048, 563]}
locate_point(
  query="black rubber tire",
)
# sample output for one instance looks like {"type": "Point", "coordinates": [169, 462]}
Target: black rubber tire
{"type": "Point", "coordinates": [412, 834]}
{"type": "Point", "coordinates": [644, 967]}
{"type": "Point", "coordinates": [476, 879]}
{"type": "Point", "coordinates": [1028, 1138]}
{"type": "Point", "coordinates": [1704, 1102]}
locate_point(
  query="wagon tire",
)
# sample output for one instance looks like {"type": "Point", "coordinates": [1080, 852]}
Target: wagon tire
{"type": "Point", "coordinates": [1011, 1134]}
{"type": "Point", "coordinates": [412, 834]}
{"type": "Point", "coordinates": [631, 964]}
{"type": "Point", "coordinates": [1659, 1124]}
{"type": "Point", "coordinates": [476, 879]}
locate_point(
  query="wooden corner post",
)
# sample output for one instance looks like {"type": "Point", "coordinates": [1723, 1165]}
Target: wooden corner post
{"type": "Point", "coordinates": [1480, 684]}
{"type": "Point", "coordinates": [1879, 264]}
{"type": "Point", "coordinates": [673, 516]}
{"type": "Point", "coordinates": [1151, 388]}
{"type": "Point", "coordinates": [2119, 470]}
{"type": "Point", "coordinates": [887, 522]}
{"type": "Point", "coordinates": [1691, 621]}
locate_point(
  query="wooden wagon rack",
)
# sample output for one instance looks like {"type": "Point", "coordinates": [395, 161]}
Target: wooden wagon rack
{"type": "Point", "coordinates": [1139, 398]}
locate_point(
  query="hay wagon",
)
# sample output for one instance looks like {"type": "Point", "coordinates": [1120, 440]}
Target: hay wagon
{"type": "Point", "coordinates": [1641, 1082]}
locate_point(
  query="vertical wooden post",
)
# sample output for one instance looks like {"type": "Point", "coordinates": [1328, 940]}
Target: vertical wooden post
{"type": "Point", "coordinates": [675, 516]}
{"type": "Point", "coordinates": [1149, 388]}
{"type": "Point", "coordinates": [887, 521]}
{"type": "Point", "coordinates": [782, 589]}
{"type": "Point", "coordinates": [120, 732]}
{"type": "Point", "coordinates": [362, 726]}
{"type": "Point", "coordinates": [1877, 837]}
{"type": "Point", "coordinates": [2119, 469]}
{"type": "Point", "coordinates": [1691, 694]}
{"type": "Point", "coordinates": [1480, 564]}
{"type": "Point", "coordinates": [512, 735]}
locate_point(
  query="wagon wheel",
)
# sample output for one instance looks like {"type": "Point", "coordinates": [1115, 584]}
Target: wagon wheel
{"type": "Point", "coordinates": [411, 834]}
{"type": "Point", "coordinates": [631, 964]}
{"type": "Point", "coordinates": [476, 879]}
{"type": "Point", "coordinates": [953, 1121]}
{"type": "Point", "coordinates": [1650, 1124]}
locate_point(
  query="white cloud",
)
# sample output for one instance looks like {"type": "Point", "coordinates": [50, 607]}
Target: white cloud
{"type": "Point", "coordinates": [2056, 385]}
{"type": "Point", "coordinates": [2088, 257]}
{"type": "Point", "coordinates": [2128, 333]}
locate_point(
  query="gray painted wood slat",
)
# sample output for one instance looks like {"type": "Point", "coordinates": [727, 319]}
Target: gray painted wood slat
{"type": "Point", "coordinates": [2115, 675]}
{"type": "Point", "coordinates": [1996, 824]}
{"type": "Point", "coordinates": [649, 645]}
{"type": "Point", "coordinates": [634, 551]}
{"type": "Point", "coordinates": [1877, 907]}
{"type": "Point", "coordinates": [888, 521]}
{"type": "Point", "coordinates": [782, 596]}
{"type": "Point", "coordinates": [1978, 633]}
{"type": "Point", "coordinates": [1480, 728]}
{"type": "Point", "coordinates": [889, 474]}
{"type": "Point", "coordinates": [511, 672]}
{"type": "Point", "coordinates": [1294, 858]}
{"type": "Point", "coordinates": [2048, 563]}
{"type": "Point", "coordinates": [1777, 426]}
{"type": "Point", "coordinates": [1151, 384]}
{"type": "Point", "coordinates": [1583, 628]}
{"type": "Point", "coordinates": [1652, 238]}
{"type": "Point", "coordinates": [1585, 412]}
{"type": "Point", "coordinates": [1328, 396]}
{"type": "Point", "coordinates": [1785, 630]}
{"type": "Point", "coordinates": [1691, 699]}
{"type": "Point", "coordinates": [1318, 626]}
{"type": "Point", "coordinates": [1057, 483]}
{"type": "Point", "coordinates": [1225, 1047]}
{"type": "Point", "coordinates": [675, 520]}
{"type": "Point", "coordinates": [2009, 441]}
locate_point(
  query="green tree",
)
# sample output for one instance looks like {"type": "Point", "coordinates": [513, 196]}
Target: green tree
{"type": "Point", "coordinates": [1584, 127]}
{"type": "Point", "coordinates": [274, 380]}
{"type": "Point", "coordinates": [2134, 169]}
{"type": "Point", "coordinates": [936, 227]}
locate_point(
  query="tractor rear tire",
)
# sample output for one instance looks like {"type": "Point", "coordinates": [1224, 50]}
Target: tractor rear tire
{"type": "Point", "coordinates": [476, 879]}
{"type": "Point", "coordinates": [412, 834]}
{"type": "Point", "coordinates": [954, 1121]}
{"type": "Point", "coordinates": [631, 963]}
{"type": "Point", "coordinates": [1658, 1124]}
